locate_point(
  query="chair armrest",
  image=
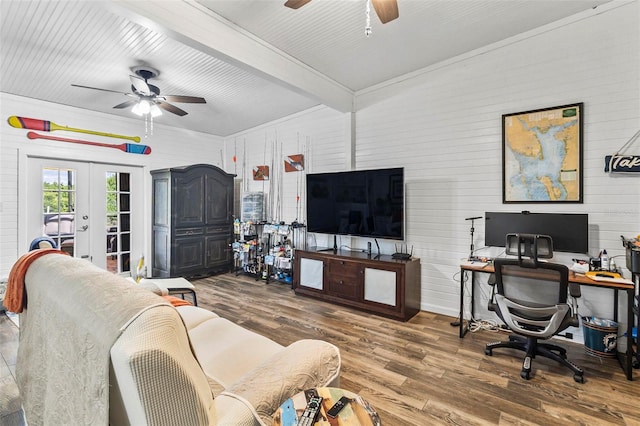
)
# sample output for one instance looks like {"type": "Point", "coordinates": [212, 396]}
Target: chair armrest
{"type": "Point", "coordinates": [574, 290]}
{"type": "Point", "coordinates": [302, 365]}
{"type": "Point", "coordinates": [492, 305]}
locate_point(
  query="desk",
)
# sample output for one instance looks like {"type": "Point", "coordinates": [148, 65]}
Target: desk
{"type": "Point", "coordinates": [625, 358]}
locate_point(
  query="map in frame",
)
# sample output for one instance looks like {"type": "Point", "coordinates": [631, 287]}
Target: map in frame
{"type": "Point", "coordinates": [542, 155]}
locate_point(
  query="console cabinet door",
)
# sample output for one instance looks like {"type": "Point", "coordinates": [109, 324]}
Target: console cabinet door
{"type": "Point", "coordinates": [312, 273]}
{"type": "Point", "coordinates": [381, 286]}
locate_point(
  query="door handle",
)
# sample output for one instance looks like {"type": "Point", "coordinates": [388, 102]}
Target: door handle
{"type": "Point", "coordinates": [84, 256]}
{"type": "Point", "coordinates": [83, 228]}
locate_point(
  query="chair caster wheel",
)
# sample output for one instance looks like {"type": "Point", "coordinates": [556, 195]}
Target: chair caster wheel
{"type": "Point", "coordinates": [525, 375]}
{"type": "Point", "coordinates": [488, 352]}
{"type": "Point", "coordinates": [578, 378]}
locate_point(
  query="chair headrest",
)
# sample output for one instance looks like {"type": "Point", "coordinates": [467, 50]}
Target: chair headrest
{"type": "Point", "coordinates": [529, 248]}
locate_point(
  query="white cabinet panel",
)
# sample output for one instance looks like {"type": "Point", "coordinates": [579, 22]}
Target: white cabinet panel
{"type": "Point", "coordinates": [380, 286]}
{"type": "Point", "coordinates": [311, 273]}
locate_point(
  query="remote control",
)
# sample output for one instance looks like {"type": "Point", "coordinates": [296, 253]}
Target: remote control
{"type": "Point", "coordinates": [311, 393]}
{"type": "Point", "coordinates": [311, 412]}
{"type": "Point", "coordinates": [342, 402]}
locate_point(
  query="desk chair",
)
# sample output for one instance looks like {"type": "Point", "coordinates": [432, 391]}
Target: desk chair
{"type": "Point", "coordinates": [531, 299]}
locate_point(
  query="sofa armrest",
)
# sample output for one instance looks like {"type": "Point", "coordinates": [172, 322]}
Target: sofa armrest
{"type": "Point", "coordinates": [302, 365]}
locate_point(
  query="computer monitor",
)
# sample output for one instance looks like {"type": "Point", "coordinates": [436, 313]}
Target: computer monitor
{"type": "Point", "coordinates": [570, 232]}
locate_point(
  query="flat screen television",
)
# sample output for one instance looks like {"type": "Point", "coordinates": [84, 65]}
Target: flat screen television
{"type": "Point", "coordinates": [569, 231]}
{"type": "Point", "coordinates": [364, 203]}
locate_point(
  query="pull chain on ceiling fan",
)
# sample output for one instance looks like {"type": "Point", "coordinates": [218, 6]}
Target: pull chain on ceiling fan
{"type": "Point", "coordinates": [387, 10]}
{"type": "Point", "coordinates": [147, 100]}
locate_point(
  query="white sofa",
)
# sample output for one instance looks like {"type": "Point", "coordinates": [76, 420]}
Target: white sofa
{"type": "Point", "coordinates": [97, 349]}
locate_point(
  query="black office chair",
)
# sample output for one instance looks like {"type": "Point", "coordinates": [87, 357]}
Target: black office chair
{"type": "Point", "coordinates": [531, 298]}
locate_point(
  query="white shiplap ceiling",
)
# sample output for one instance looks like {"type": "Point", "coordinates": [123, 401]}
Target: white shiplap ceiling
{"type": "Point", "coordinates": [253, 61]}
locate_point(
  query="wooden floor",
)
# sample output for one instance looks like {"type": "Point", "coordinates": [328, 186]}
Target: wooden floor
{"type": "Point", "coordinates": [10, 411]}
{"type": "Point", "coordinates": [413, 373]}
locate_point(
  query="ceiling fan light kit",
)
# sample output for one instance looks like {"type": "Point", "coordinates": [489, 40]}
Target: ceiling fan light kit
{"type": "Point", "coordinates": [147, 101]}
{"type": "Point", "coordinates": [141, 108]}
{"type": "Point", "coordinates": [146, 107]}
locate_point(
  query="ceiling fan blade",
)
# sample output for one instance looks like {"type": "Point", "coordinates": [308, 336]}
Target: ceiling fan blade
{"type": "Point", "coordinates": [140, 85]}
{"type": "Point", "coordinates": [172, 108]}
{"type": "Point", "coordinates": [185, 99]}
{"type": "Point", "coordinates": [126, 104]}
{"type": "Point", "coordinates": [387, 10]}
{"type": "Point", "coordinates": [295, 4]}
{"type": "Point", "coordinates": [103, 90]}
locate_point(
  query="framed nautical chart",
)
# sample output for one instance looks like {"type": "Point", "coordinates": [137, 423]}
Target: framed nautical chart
{"type": "Point", "coordinates": [542, 155]}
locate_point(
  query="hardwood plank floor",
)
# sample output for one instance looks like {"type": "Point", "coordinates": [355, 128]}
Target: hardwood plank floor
{"type": "Point", "coordinates": [10, 405]}
{"type": "Point", "coordinates": [418, 372]}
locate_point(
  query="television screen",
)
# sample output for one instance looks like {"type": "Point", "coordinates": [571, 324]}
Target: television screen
{"type": "Point", "coordinates": [569, 232]}
{"type": "Point", "coordinates": [366, 203]}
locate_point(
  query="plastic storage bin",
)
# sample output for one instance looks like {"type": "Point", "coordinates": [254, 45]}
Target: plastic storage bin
{"type": "Point", "coordinates": [600, 337]}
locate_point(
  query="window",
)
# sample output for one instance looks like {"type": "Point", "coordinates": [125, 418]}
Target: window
{"type": "Point", "coordinates": [118, 212]}
{"type": "Point", "coordinates": [59, 206]}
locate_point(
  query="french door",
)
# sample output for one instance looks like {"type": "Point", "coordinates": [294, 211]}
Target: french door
{"type": "Point", "coordinates": [91, 210]}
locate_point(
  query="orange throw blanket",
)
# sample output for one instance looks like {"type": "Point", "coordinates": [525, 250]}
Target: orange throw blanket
{"type": "Point", "coordinates": [176, 301]}
{"type": "Point", "coordinates": [15, 299]}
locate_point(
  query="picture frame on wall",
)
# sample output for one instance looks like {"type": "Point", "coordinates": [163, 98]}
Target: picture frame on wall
{"type": "Point", "coordinates": [542, 155]}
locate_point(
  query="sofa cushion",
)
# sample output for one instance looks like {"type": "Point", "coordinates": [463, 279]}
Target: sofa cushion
{"type": "Point", "coordinates": [226, 351]}
{"type": "Point", "coordinates": [302, 365]}
{"type": "Point", "coordinates": [193, 316]}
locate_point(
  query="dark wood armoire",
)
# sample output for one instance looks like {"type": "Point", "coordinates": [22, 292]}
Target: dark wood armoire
{"type": "Point", "coordinates": [192, 221]}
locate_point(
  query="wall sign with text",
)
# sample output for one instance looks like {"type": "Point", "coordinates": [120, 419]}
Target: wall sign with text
{"type": "Point", "coordinates": [622, 163]}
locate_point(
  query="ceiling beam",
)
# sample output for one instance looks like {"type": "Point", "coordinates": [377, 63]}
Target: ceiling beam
{"type": "Point", "coordinates": [198, 27]}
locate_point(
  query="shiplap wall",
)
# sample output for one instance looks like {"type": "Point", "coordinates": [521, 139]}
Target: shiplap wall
{"type": "Point", "coordinates": [321, 134]}
{"type": "Point", "coordinates": [443, 125]}
{"type": "Point", "coordinates": [171, 147]}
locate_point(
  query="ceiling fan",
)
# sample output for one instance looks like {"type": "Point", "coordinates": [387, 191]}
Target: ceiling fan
{"type": "Point", "coordinates": [143, 91]}
{"type": "Point", "coordinates": [387, 10]}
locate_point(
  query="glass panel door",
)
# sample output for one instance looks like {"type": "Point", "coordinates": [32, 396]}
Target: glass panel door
{"type": "Point", "coordinates": [118, 214]}
{"type": "Point", "coordinates": [59, 206]}
{"type": "Point", "coordinates": [92, 211]}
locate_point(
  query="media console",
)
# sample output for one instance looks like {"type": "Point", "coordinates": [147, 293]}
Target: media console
{"type": "Point", "coordinates": [376, 284]}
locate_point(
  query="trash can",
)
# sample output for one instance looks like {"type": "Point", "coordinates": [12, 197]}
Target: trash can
{"type": "Point", "coordinates": [600, 337]}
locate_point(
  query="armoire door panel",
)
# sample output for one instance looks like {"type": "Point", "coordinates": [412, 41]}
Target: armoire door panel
{"type": "Point", "coordinates": [189, 200]}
